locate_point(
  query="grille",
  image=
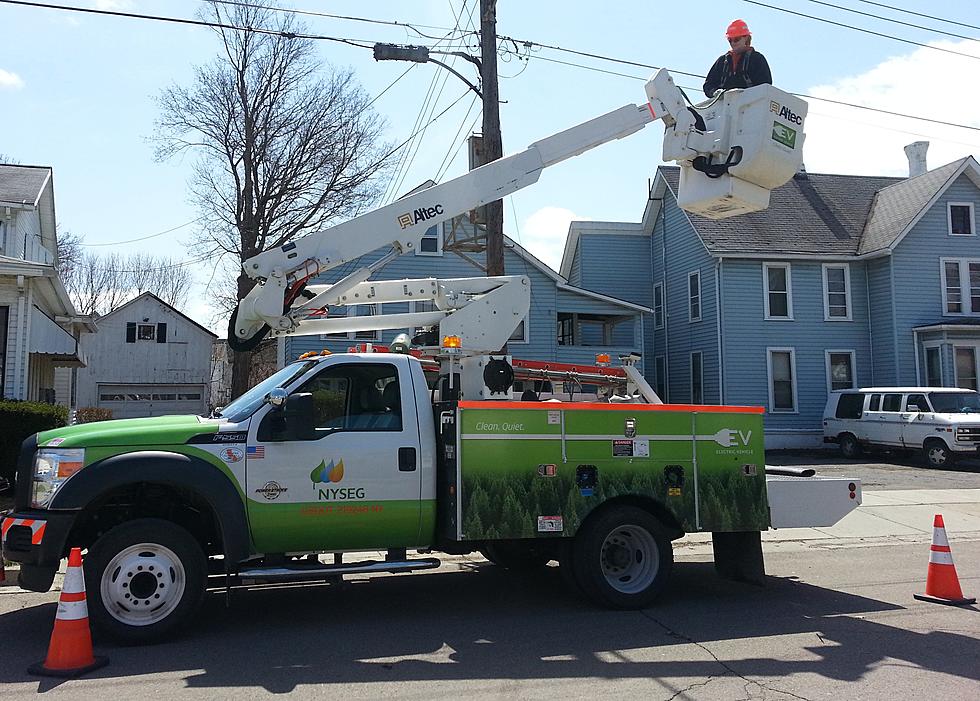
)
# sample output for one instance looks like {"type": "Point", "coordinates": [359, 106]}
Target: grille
{"type": "Point", "coordinates": [18, 538]}
{"type": "Point", "coordinates": [968, 434]}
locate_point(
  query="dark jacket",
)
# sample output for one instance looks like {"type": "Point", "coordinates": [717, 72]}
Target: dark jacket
{"type": "Point", "coordinates": [753, 69]}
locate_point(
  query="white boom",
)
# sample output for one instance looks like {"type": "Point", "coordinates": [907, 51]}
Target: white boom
{"type": "Point", "coordinates": [728, 169]}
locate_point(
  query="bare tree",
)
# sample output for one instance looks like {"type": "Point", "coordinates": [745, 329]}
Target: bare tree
{"type": "Point", "coordinates": [98, 284]}
{"type": "Point", "coordinates": [285, 144]}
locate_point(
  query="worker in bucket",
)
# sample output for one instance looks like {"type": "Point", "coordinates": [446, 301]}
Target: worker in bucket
{"type": "Point", "coordinates": [741, 67]}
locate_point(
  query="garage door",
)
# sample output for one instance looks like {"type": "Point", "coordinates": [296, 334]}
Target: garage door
{"type": "Point", "coordinates": [130, 401]}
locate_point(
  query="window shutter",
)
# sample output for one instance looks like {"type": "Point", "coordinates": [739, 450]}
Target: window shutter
{"type": "Point", "coordinates": [161, 333]}
{"type": "Point", "coordinates": [130, 332]}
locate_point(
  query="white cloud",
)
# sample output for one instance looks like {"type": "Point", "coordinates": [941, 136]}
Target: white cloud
{"type": "Point", "coordinates": [925, 83]}
{"type": "Point", "coordinates": [544, 232]}
{"type": "Point", "coordinates": [10, 80]}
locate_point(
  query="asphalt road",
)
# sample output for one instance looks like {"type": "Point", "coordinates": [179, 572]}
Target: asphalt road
{"type": "Point", "coordinates": [836, 619]}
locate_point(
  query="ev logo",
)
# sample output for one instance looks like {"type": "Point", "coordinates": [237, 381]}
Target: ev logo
{"type": "Point", "coordinates": [730, 438]}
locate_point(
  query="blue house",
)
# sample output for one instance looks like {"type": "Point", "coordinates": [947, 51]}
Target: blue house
{"type": "Point", "coordinates": [845, 281]}
{"type": "Point", "coordinates": [566, 323]}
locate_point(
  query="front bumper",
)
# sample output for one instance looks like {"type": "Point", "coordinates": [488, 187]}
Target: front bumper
{"type": "Point", "coordinates": [36, 540]}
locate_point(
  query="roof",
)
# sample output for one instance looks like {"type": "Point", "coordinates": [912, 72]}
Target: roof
{"type": "Point", "coordinates": [161, 302]}
{"type": "Point", "coordinates": [813, 213]}
{"type": "Point", "coordinates": [22, 185]}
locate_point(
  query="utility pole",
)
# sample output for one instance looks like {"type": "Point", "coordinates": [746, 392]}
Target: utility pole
{"type": "Point", "coordinates": [492, 143]}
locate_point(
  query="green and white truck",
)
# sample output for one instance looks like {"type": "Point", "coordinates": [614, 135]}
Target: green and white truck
{"type": "Point", "coordinates": [341, 454]}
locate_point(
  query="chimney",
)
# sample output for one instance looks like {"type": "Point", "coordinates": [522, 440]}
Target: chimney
{"type": "Point", "coordinates": [916, 153]}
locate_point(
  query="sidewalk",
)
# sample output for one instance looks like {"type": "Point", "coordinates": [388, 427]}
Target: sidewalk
{"type": "Point", "coordinates": [884, 517]}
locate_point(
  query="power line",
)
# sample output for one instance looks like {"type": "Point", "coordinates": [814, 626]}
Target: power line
{"type": "Point", "coordinates": [919, 14]}
{"type": "Point", "coordinates": [894, 21]}
{"type": "Point", "coordinates": [142, 238]}
{"type": "Point", "coordinates": [194, 22]}
{"type": "Point", "coordinates": [859, 29]}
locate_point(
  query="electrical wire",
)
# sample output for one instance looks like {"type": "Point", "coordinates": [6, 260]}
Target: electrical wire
{"type": "Point", "coordinates": [445, 160]}
{"type": "Point", "coordinates": [141, 238]}
{"type": "Point", "coordinates": [859, 29]}
{"type": "Point", "coordinates": [919, 14]}
{"type": "Point", "coordinates": [894, 21]}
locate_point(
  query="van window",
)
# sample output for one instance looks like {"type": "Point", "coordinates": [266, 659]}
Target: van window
{"type": "Point", "coordinates": [892, 402]}
{"type": "Point", "coordinates": [849, 406]}
{"type": "Point", "coordinates": [874, 404]}
{"type": "Point", "coordinates": [917, 400]}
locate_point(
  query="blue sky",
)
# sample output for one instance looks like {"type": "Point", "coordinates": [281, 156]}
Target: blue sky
{"type": "Point", "coordinates": [77, 92]}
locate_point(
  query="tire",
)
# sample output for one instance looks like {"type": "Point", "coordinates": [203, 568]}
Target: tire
{"type": "Point", "coordinates": [622, 558]}
{"type": "Point", "coordinates": [516, 555]}
{"type": "Point", "coordinates": [849, 446]}
{"type": "Point", "coordinates": [937, 454]}
{"type": "Point", "coordinates": [144, 579]}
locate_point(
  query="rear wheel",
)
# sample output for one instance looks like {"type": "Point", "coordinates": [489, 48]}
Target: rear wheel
{"type": "Point", "coordinates": [622, 559]}
{"type": "Point", "coordinates": [849, 446]}
{"type": "Point", "coordinates": [937, 454]}
{"type": "Point", "coordinates": [144, 579]}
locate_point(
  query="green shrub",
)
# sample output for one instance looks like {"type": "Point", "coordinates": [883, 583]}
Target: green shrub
{"type": "Point", "coordinates": [89, 414]}
{"type": "Point", "coordinates": [18, 420]}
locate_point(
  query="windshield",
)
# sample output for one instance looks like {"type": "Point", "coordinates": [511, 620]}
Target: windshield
{"type": "Point", "coordinates": [955, 402]}
{"type": "Point", "coordinates": [245, 405]}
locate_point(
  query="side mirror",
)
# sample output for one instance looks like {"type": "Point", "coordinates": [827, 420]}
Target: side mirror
{"type": "Point", "coordinates": [277, 397]}
{"type": "Point", "coordinates": [914, 407]}
{"type": "Point", "coordinates": [298, 414]}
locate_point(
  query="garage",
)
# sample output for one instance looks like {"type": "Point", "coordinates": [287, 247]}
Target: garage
{"type": "Point", "coordinates": [127, 401]}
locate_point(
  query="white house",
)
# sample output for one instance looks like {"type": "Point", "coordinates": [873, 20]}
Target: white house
{"type": "Point", "coordinates": [148, 359]}
{"type": "Point", "coordinates": [38, 325]}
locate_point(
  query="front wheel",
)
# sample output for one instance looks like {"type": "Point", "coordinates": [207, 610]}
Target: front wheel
{"type": "Point", "coordinates": [144, 579]}
{"type": "Point", "coordinates": [937, 454]}
{"type": "Point", "coordinates": [849, 447]}
{"type": "Point", "coordinates": [622, 559]}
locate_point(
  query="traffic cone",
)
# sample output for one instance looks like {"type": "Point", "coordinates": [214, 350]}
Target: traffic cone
{"type": "Point", "coordinates": [942, 584]}
{"type": "Point", "coordinates": [70, 651]}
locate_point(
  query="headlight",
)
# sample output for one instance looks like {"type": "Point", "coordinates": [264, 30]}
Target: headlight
{"type": "Point", "coordinates": [51, 468]}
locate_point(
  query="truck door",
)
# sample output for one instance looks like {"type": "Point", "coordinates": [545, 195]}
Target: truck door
{"type": "Point", "coordinates": [354, 482]}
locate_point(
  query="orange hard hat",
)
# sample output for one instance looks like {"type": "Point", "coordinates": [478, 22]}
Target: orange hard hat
{"type": "Point", "coordinates": [738, 28]}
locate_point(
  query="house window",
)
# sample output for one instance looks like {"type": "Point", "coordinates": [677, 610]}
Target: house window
{"type": "Point", "coordinates": [959, 216]}
{"type": "Point", "coordinates": [146, 332]}
{"type": "Point", "coordinates": [566, 325]}
{"type": "Point", "coordinates": [431, 242]}
{"type": "Point", "coordinates": [779, 296]}
{"type": "Point", "coordinates": [520, 333]}
{"type": "Point", "coordinates": [661, 377]}
{"type": "Point", "coordinates": [694, 296]}
{"type": "Point", "coordinates": [368, 334]}
{"type": "Point", "coordinates": [658, 306]}
{"type": "Point", "coordinates": [836, 292]}
{"type": "Point", "coordinates": [966, 367]}
{"type": "Point", "coordinates": [934, 368]}
{"type": "Point", "coordinates": [697, 382]}
{"type": "Point", "coordinates": [961, 286]}
{"type": "Point", "coordinates": [840, 370]}
{"type": "Point", "coordinates": [782, 379]}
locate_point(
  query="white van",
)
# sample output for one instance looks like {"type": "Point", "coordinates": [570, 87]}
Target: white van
{"type": "Point", "coordinates": [942, 422]}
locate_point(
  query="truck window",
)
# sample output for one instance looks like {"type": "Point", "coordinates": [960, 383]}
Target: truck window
{"type": "Point", "coordinates": [849, 406]}
{"type": "Point", "coordinates": [874, 403]}
{"type": "Point", "coordinates": [356, 397]}
{"type": "Point", "coordinates": [892, 402]}
{"type": "Point", "coordinates": [916, 402]}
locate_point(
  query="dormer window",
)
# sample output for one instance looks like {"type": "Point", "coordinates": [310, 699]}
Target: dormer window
{"type": "Point", "coordinates": [959, 216]}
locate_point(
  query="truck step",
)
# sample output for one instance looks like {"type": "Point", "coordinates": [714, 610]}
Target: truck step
{"type": "Point", "coordinates": [322, 571]}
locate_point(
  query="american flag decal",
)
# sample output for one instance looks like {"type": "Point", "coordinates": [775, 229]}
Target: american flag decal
{"type": "Point", "coordinates": [256, 452]}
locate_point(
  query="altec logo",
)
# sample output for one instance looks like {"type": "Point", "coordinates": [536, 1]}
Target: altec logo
{"type": "Point", "coordinates": [421, 214]}
{"type": "Point", "coordinates": [785, 113]}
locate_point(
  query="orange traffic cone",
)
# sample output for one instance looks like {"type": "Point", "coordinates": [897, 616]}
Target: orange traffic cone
{"type": "Point", "coordinates": [942, 584]}
{"type": "Point", "coordinates": [70, 651]}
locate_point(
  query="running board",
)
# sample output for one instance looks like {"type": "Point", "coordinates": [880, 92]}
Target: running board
{"type": "Point", "coordinates": [322, 571]}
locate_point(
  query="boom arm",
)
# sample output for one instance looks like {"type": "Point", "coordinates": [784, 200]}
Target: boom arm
{"type": "Point", "coordinates": [276, 304]}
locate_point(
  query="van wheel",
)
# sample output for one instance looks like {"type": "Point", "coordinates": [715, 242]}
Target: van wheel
{"type": "Point", "coordinates": [849, 446]}
{"type": "Point", "coordinates": [937, 454]}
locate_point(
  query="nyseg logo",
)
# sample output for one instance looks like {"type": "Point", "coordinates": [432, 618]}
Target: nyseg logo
{"type": "Point", "coordinates": [331, 473]}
